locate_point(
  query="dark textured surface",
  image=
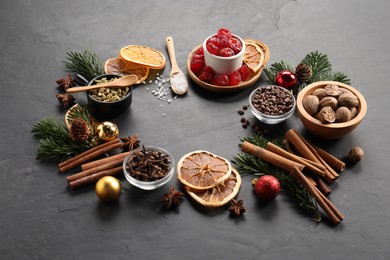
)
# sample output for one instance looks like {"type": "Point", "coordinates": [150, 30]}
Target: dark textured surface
{"type": "Point", "coordinates": [41, 219]}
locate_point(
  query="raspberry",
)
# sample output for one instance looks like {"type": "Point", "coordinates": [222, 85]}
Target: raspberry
{"type": "Point", "coordinates": [235, 44]}
{"type": "Point", "coordinates": [209, 70]}
{"type": "Point", "coordinates": [205, 76]}
{"type": "Point", "coordinates": [244, 71]}
{"type": "Point", "coordinates": [223, 41]}
{"type": "Point", "coordinates": [226, 52]}
{"type": "Point", "coordinates": [197, 66]}
{"type": "Point", "coordinates": [212, 48]}
{"type": "Point", "coordinates": [224, 31]}
{"type": "Point", "coordinates": [234, 78]}
{"type": "Point", "coordinates": [200, 51]}
{"type": "Point", "coordinates": [198, 57]}
{"type": "Point", "coordinates": [220, 80]}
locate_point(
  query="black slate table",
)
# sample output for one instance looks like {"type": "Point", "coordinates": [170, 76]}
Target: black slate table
{"type": "Point", "coordinates": [41, 219]}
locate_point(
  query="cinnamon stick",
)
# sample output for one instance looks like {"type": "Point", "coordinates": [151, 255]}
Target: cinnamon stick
{"type": "Point", "coordinates": [334, 162]}
{"type": "Point", "coordinates": [331, 205]}
{"type": "Point", "coordinates": [97, 163]}
{"type": "Point", "coordinates": [87, 152]}
{"type": "Point", "coordinates": [302, 147]}
{"type": "Point", "coordinates": [90, 156]}
{"type": "Point", "coordinates": [325, 204]}
{"type": "Point", "coordinates": [276, 149]}
{"type": "Point", "coordinates": [322, 186]}
{"type": "Point", "coordinates": [91, 171]}
{"type": "Point", "coordinates": [270, 157]}
{"type": "Point", "coordinates": [94, 177]}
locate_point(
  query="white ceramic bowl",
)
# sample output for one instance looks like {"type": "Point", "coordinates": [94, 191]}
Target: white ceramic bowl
{"type": "Point", "coordinates": [270, 119]}
{"type": "Point", "coordinates": [224, 65]}
{"type": "Point", "coordinates": [149, 185]}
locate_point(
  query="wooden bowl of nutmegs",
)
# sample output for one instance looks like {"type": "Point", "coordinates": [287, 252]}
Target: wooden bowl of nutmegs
{"type": "Point", "coordinates": [330, 109]}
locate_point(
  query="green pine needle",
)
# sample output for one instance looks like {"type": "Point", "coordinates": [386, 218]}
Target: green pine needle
{"type": "Point", "coordinates": [320, 66]}
{"type": "Point", "coordinates": [248, 164]}
{"type": "Point", "coordinates": [85, 63]}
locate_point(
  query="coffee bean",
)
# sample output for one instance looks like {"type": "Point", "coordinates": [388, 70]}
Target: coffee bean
{"type": "Point", "coordinates": [272, 100]}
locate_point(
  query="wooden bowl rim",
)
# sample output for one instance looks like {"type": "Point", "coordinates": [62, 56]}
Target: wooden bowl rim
{"type": "Point", "coordinates": [310, 88]}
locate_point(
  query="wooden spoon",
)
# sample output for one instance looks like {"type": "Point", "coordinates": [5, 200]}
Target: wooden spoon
{"type": "Point", "coordinates": [179, 84]}
{"type": "Point", "coordinates": [122, 82]}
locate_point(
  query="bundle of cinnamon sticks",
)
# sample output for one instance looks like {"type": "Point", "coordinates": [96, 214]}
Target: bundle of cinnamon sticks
{"type": "Point", "coordinates": [311, 166]}
{"type": "Point", "coordinates": [92, 171]}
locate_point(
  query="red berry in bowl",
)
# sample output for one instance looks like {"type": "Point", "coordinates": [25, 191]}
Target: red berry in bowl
{"type": "Point", "coordinates": [234, 78]}
{"type": "Point", "coordinates": [198, 57]}
{"type": "Point", "coordinates": [224, 31]}
{"type": "Point", "coordinates": [235, 45]}
{"type": "Point", "coordinates": [223, 41]}
{"type": "Point", "coordinates": [197, 66]}
{"type": "Point", "coordinates": [200, 51]}
{"type": "Point", "coordinates": [214, 40]}
{"type": "Point", "coordinates": [244, 71]}
{"type": "Point", "coordinates": [205, 76]}
{"type": "Point", "coordinates": [220, 80]}
{"type": "Point", "coordinates": [212, 48]}
{"type": "Point", "coordinates": [226, 52]}
{"type": "Point", "coordinates": [209, 70]}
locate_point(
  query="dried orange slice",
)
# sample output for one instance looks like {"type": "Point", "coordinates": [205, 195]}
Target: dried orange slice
{"type": "Point", "coordinates": [201, 170]}
{"type": "Point", "coordinates": [253, 56]}
{"type": "Point", "coordinates": [220, 194]}
{"type": "Point", "coordinates": [143, 55]}
{"type": "Point", "coordinates": [122, 67]}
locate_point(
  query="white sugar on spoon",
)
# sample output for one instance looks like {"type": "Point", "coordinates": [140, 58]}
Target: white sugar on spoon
{"type": "Point", "coordinates": [179, 84]}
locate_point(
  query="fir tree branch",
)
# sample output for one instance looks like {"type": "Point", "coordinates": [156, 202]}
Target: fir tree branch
{"type": "Point", "coordinates": [248, 164]}
{"type": "Point", "coordinates": [85, 63]}
{"type": "Point", "coordinates": [320, 66]}
{"type": "Point", "coordinates": [340, 77]}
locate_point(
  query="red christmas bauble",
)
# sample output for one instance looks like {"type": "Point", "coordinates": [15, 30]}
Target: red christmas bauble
{"type": "Point", "coordinates": [286, 79]}
{"type": "Point", "coordinates": [267, 187]}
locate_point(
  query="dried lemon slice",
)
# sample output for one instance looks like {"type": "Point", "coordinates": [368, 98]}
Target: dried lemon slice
{"type": "Point", "coordinates": [122, 67]}
{"type": "Point", "coordinates": [253, 56]}
{"type": "Point", "coordinates": [143, 55]}
{"type": "Point", "coordinates": [220, 194]}
{"type": "Point", "coordinates": [201, 170]}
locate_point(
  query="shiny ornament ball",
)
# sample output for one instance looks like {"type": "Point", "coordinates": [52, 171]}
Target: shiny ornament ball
{"type": "Point", "coordinates": [108, 188]}
{"type": "Point", "coordinates": [107, 131]}
{"type": "Point", "coordinates": [267, 187]}
{"type": "Point", "coordinates": [286, 79]}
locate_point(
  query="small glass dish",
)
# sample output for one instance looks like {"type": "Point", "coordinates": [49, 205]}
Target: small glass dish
{"type": "Point", "coordinates": [267, 118]}
{"type": "Point", "coordinates": [149, 185]}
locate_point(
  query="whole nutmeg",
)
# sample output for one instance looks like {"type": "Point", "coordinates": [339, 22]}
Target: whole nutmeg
{"type": "Point", "coordinates": [343, 114]}
{"type": "Point", "coordinates": [344, 90]}
{"type": "Point", "coordinates": [320, 93]}
{"type": "Point", "coordinates": [311, 104]}
{"type": "Point", "coordinates": [353, 112]}
{"type": "Point", "coordinates": [349, 100]}
{"type": "Point", "coordinates": [356, 154]}
{"type": "Point", "coordinates": [332, 90]}
{"type": "Point", "coordinates": [326, 115]}
{"type": "Point", "coordinates": [329, 102]}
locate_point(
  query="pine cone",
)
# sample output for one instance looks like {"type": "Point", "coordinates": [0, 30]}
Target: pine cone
{"type": "Point", "coordinates": [79, 130]}
{"type": "Point", "coordinates": [303, 72]}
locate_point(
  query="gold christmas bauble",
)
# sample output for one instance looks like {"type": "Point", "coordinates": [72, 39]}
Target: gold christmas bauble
{"type": "Point", "coordinates": [108, 188]}
{"type": "Point", "coordinates": [107, 131]}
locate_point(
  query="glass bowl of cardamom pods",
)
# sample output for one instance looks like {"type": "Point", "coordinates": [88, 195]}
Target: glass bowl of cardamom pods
{"type": "Point", "coordinates": [108, 102]}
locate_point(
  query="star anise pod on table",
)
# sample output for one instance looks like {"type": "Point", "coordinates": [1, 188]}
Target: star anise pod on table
{"type": "Point", "coordinates": [172, 199]}
{"type": "Point", "coordinates": [64, 84]}
{"type": "Point", "coordinates": [237, 207]}
{"type": "Point", "coordinates": [66, 99]}
{"type": "Point", "coordinates": [130, 143]}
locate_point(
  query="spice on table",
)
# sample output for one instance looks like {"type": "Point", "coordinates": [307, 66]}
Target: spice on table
{"type": "Point", "coordinates": [130, 142]}
{"type": "Point", "coordinates": [147, 164]}
{"type": "Point", "coordinates": [356, 154]}
{"type": "Point", "coordinates": [236, 208]}
{"type": "Point", "coordinates": [66, 99]}
{"type": "Point", "coordinates": [172, 199]}
{"type": "Point", "coordinates": [64, 84]}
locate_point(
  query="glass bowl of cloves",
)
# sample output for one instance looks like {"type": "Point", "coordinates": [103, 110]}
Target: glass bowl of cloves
{"type": "Point", "coordinates": [148, 167]}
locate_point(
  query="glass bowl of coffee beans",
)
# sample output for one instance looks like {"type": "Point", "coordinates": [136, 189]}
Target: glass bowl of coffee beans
{"type": "Point", "coordinates": [108, 102]}
{"type": "Point", "coordinates": [272, 104]}
{"type": "Point", "coordinates": [148, 167]}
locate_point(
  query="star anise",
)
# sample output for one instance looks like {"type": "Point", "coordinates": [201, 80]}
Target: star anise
{"type": "Point", "coordinates": [237, 207]}
{"type": "Point", "coordinates": [130, 142]}
{"type": "Point", "coordinates": [172, 199]}
{"type": "Point", "coordinates": [66, 99]}
{"type": "Point", "coordinates": [64, 84]}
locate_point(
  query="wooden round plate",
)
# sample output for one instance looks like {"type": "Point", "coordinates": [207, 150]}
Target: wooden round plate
{"type": "Point", "coordinates": [253, 77]}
